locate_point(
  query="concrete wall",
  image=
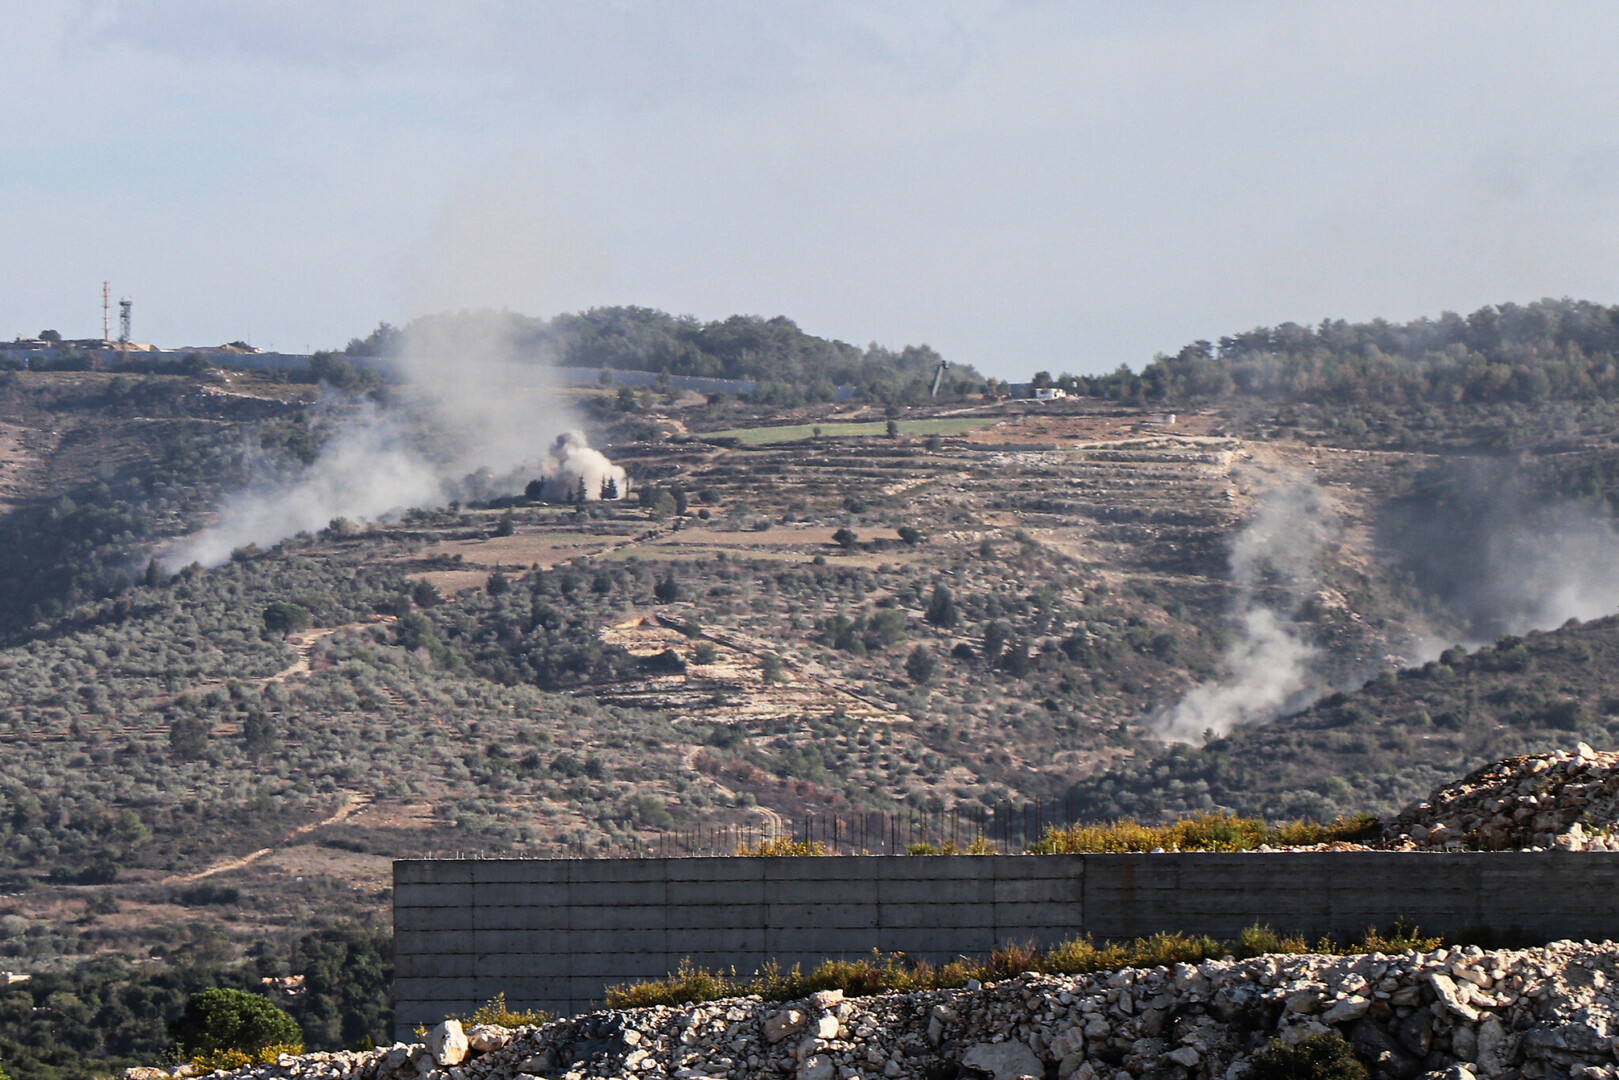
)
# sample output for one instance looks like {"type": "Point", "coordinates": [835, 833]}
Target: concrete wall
{"type": "Point", "coordinates": [554, 934]}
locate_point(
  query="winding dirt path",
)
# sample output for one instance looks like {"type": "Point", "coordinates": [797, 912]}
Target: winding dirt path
{"type": "Point", "coordinates": [355, 802]}
{"type": "Point", "coordinates": [304, 644]}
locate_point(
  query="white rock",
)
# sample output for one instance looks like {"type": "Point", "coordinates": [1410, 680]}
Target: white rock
{"type": "Point", "coordinates": [486, 1037]}
{"type": "Point", "coordinates": [782, 1024]}
{"type": "Point", "coordinates": [816, 1067]}
{"type": "Point", "coordinates": [447, 1043]}
{"type": "Point", "coordinates": [1350, 1008]}
{"type": "Point", "coordinates": [1005, 1061]}
{"type": "Point", "coordinates": [1450, 997]}
{"type": "Point", "coordinates": [825, 999]}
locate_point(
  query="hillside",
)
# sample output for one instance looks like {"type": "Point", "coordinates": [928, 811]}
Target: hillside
{"type": "Point", "coordinates": [1389, 743]}
{"type": "Point", "coordinates": [793, 615]}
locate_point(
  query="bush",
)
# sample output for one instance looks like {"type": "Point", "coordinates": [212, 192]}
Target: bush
{"type": "Point", "coordinates": [285, 617]}
{"type": "Point", "coordinates": [1201, 832]}
{"type": "Point", "coordinates": [919, 665]}
{"type": "Point", "coordinates": [233, 1020]}
{"type": "Point", "coordinates": [494, 1011]}
{"type": "Point", "coordinates": [1326, 1056]}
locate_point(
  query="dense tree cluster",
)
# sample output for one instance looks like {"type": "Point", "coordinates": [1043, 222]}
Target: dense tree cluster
{"type": "Point", "coordinates": [106, 1013]}
{"type": "Point", "coordinates": [791, 366]}
{"type": "Point", "coordinates": [1547, 350]}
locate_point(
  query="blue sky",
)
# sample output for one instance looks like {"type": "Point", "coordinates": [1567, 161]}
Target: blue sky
{"type": "Point", "coordinates": [1022, 185]}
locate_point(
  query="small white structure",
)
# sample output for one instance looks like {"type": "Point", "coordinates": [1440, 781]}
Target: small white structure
{"type": "Point", "coordinates": [1049, 393]}
{"type": "Point", "coordinates": [1165, 418]}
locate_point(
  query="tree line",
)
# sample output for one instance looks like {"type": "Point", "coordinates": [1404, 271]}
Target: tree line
{"type": "Point", "coordinates": [1544, 351]}
{"type": "Point", "coordinates": [775, 352]}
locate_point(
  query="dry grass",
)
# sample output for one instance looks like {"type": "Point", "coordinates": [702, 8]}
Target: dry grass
{"type": "Point", "coordinates": [1202, 832]}
{"type": "Point", "coordinates": [896, 973]}
{"type": "Point", "coordinates": [781, 846]}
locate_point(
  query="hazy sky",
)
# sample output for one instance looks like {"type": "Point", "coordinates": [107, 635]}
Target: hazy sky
{"type": "Point", "coordinates": [1022, 185]}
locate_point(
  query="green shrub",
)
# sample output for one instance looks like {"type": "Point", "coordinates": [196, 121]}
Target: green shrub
{"type": "Point", "coordinates": [232, 1020]}
{"type": "Point", "coordinates": [1326, 1056]}
{"type": "Point", "coordinates": [882, 973]}
{"type": "Point", "coordinates": [495, 1011]}
{"type": "Point", "coordinates": [285, 617]}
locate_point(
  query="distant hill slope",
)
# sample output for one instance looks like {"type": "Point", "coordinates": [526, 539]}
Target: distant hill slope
{"type": "Point", "coordinates": [773, 351]}
{"type": "Point", "coordinates": [1392, 741]}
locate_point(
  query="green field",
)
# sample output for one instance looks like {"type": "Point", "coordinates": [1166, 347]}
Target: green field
{"type": "Point", "coordinates": [764, 436]}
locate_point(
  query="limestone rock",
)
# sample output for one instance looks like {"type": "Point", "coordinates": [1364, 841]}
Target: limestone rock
{"type": "Point", "coordinates": [825, 999]}
{"type": "Point", "coordinates": [817, 1067]}
{"type": "Point", "coordinates": [780, 1025]}
{"type": "Point", "coordinates": [1548, 1013]}
{"type": "Point", "coordinates": [1005, 1061]}
{"type": "Point", "coordinates": [447, 1043]}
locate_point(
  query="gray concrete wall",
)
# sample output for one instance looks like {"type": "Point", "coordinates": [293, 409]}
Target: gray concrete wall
{"type": "Point", "coordinates": [554, 934]}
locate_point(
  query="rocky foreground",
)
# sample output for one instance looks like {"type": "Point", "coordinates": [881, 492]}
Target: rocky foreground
{"type": "Point", "coordinates": [1558, 800]}
{"type": "Point", "coordinates": [1456, 1013]}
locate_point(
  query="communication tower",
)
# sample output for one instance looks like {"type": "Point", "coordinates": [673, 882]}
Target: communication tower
{"type": "Point", "coordinates": [106, 307]}
{"type": "Point", "coordinates": [124, 306]}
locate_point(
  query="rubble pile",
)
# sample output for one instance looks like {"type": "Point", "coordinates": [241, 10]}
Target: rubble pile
{"type": "Point", "coordinates": [1458, 1013]}
{"type": "Point", "coordinates": [1557, 800]}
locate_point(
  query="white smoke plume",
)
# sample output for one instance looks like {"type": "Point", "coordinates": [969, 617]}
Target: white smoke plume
{"type": "Point", "coordinates": [573, 467]}
{"type": "Point", "coordinates": [470, 418]}
{"type": "Point", "coordinates": [1501, 553]}
{"type": "Point", "coordinates": [1267, 666]}
{"type": "Point", "coordinates": [364, 472]}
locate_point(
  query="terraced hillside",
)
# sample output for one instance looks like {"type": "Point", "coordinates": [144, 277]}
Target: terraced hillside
{"type": "Point", "coordinates": [836, 625]}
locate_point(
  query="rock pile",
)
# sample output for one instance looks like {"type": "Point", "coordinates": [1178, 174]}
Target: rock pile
{"type": "Point", "coordinates": [1558, 800]}
{"type": "Point", "coordinates": [1462, 1013]}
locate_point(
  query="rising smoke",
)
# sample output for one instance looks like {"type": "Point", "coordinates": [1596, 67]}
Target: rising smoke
{"type": "Point", "coordinates": [1268, 664]}
{"type": "Point", "coordinates": [1501, 551]}
{"type": "Point", "coordinates": [1495, 547]}
{"type": "Point", "coordinates": [573, 469]}
{"type": "Point", "coordinates": [468, 417]}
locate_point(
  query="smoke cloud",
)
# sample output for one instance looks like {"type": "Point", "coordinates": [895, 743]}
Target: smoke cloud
{"type": "Point", "coordinates": [1267, 664]}
{"type": "Point", "coordinates": [1501, 552]}
{"type": "Point", "coordinates": [1497, 547]}
{"type": "Point", "coordinates": [468, 417]}
{"type": "Point", "coordinates": [572, 468]}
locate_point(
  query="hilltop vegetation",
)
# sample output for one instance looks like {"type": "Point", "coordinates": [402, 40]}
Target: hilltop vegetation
{"type": "Point", "coordinates": [792, 366]}
{"type": "Point", "coordinates": [1550, 350]}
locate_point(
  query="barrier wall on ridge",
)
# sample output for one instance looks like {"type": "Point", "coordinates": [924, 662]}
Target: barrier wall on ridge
{"type": "Point", "coordinates": [553, 934]}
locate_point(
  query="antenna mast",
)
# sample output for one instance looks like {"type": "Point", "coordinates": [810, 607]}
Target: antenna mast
{"type": "Point", "coordinates": [123, 330]}
{"type": "Point", "coordinates": [106, 305]}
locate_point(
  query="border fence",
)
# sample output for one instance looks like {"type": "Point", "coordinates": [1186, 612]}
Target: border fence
{"type": "Point", "coordinates": [1006, 828]}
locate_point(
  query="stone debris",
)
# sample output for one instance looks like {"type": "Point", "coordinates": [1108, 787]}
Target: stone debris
{"type": "Point", "coordinates": [1454, 1014]}
{"type": "Point", "coordinates": [1560, 800]}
